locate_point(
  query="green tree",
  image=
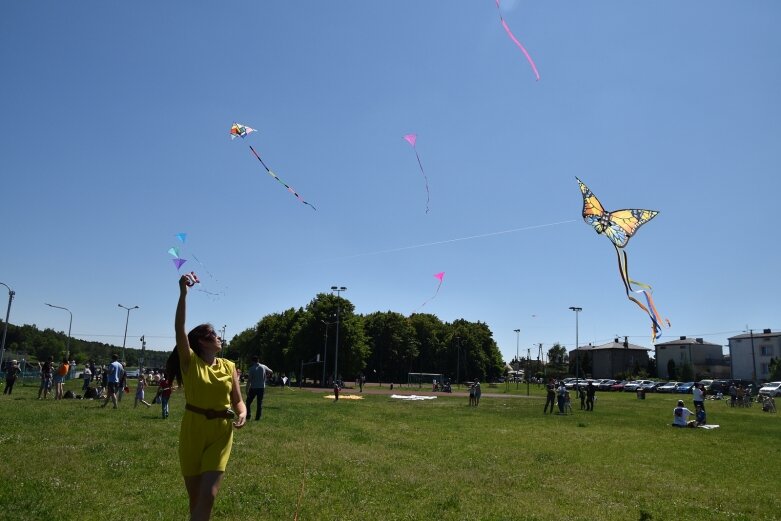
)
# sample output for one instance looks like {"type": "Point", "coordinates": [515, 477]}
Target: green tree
{"type": "Point", "coordinates": [557, 360]}
{"type": "Point", "coordinates": [672, 371]}
{"type": "Point", "coordinates": [687, 373]}
{"type": "Point", "coordinates": [775, 369]}
{"type": "Point", "coordinates": [393, 343]}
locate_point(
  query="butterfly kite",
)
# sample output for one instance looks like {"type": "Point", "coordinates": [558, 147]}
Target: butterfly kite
{"type": "Point", "coordinates": [517, 43]}
{"type": "Point", "coordinates": [412, 139]}
{"type": "Point", "coordinates": [238, 130]}
{"type": "Point", "coordinates": [619, 226]}
{"type": "Point", "coordinates": [440, 276]}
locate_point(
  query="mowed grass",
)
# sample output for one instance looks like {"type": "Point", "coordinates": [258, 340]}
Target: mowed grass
{"type": "Point", "coordinates": [383, 459]}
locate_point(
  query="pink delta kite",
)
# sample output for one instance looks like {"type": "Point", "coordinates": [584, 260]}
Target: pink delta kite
{"type": "Point", "coordinates": [412, 139]}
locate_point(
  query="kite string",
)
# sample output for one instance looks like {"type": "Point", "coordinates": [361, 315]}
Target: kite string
{"type": "Point", "coordinates": [430, 298]}
{"type": "Point", "coordinates": [428, 195]}
{"type": "Point", "coordinates": [301, 492]}
{"type": "Point", "coordinates": [447, 241]}
{"type": "Point", "coordinates": [519, 44]}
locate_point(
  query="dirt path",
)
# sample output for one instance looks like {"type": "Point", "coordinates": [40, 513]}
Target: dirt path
{"type": "Point", "coordinates": [385, 389]}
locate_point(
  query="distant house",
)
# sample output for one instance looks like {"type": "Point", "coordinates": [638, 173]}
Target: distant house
{"type": "Point", "coordinates": [608, 360]}
{"type": "Point", "coordinates": [750, 354]}
{"type": "Point", "coordinates": [705, 358]}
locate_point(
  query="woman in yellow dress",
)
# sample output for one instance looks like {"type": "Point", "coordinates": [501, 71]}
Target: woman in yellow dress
{"type": "Point", "coordinates": [214, 407]}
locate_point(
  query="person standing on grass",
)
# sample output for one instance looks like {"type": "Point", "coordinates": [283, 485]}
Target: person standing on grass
{"type": "Point", "coordinates": [114, 373]}
{"type": "Point", "coordinates": [478, 392]}
{"type": "Point", "coordinates": [214, 408]}
{"type": "Point", "coordinates": [140, 392]}
{"type": "Point", "coordinates": [46, 377]}
{"type": "Point", "coordinates": [11, 372]}
{"type": "Point", "coordinates": [256, 386]}
{"type": "Point", "coordinates": [59, 378]}
{"type": "Point", "coordinates": [590, 391]}
{"type": "Point", "coordinates": [122, 383]}
{"type": "Point", "coordinates": [166, 386]}
{"type": "Point", "coordinates": [698, 396]}
{"type": "Point", "coordinates": [582, 393]}
{"type": "Point", "coordinates": [562, 396]}
{"type": "Point", "coordinates": [87, 376]}
{"type": "Point", "coordinates": [550, 398]}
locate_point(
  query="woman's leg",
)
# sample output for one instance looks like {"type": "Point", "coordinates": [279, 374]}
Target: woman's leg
{"type": "Point", "coordinates": [202, 491]}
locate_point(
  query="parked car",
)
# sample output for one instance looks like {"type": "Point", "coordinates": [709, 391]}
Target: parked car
{"type": "Point", "coordinates": [131, 373]}
{"type": "Point", "coordinates": [684, 387]}
{"type": "Point", "coordinates": [618, 386]}
{"type": "Point", "coordinates": [771, 389]}
{"type": "Point", "coordinates": [718, 386]}
{"type": "Point", "coordinates": [669, 387]}
{"type": "Point", "coordinates": [607, 385]}
{"type": "Point", "coordinates": [650, 387]}
{"type": "Point", "coordinates": [635, 385]}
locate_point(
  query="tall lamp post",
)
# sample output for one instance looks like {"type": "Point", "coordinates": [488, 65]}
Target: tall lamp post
{"type": "Point", "coordinates": [338, 290]}
{"type": "Point", "coordinates": [325, 349]}
{"type": "Point", "coordinates": [11, 294]}
{"type": "Point", "coordinates": [577, 347]}
{"type": "Point", "coordinates": [222, 340]}
{"type": "Point", "coordinates": [517, 360]}
{"type": "Point", "coordinates": [127, 319]}
{"type": "Point", "coordinates": [70, 323]}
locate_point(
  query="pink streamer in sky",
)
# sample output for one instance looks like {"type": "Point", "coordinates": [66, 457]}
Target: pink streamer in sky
{"type": "Point", "coordinates": [440, 276]}
{"type": "Point", "coordinates": [412, 139]}
{"type": "Point", "coordinates": [519, 44]}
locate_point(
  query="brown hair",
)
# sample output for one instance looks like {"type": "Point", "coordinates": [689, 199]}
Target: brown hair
{"type": "Point", "coordinates": [173, 366]}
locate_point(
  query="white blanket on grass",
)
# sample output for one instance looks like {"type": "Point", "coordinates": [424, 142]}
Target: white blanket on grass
{"type": "Point", "coordinates": [412, 397]}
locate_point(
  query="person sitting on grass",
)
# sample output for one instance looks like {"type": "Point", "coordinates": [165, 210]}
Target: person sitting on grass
{"type": "Point", "coordinates": [681, 416]}
{"type": "Point", "coordinates": [699, 415]}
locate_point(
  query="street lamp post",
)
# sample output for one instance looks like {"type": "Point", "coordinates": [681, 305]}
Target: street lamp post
{"type": "Point", "coordinates": [338, 291]}
{"type": "Point", "coordinates": [577, 347]}
{"type": "Point", "coordinates": [325, 350]}
{"type": "Point", "coordinates": [70, 323]}
{"type": "Point", "coordinates": [222, 340]}
{"type": "Point", "coordinates": [127, 319]}
{"type": "Point", "coordinates": [11, 294]}
{"type": "Point", "coordinates": [517, 360]}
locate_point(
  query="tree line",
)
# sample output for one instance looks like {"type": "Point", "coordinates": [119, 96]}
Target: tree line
{"type": "Point", "coordinates": [384, 346]}
{"type": "Point", "coordinates": [33, 344]}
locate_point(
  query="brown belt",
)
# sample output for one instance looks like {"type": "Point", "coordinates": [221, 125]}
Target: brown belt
{"type": "Point", "coordinates": [211, 414]}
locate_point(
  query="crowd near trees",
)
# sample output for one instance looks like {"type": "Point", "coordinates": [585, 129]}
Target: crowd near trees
{"type": "Point", "coordinates": [384, 346]}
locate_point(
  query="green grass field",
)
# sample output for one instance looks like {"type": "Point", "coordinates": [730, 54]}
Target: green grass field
{"type": "Point", "coordinates": [382, 459]}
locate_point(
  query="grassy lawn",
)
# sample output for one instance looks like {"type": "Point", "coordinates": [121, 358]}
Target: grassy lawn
{"type": "Point", "coordinates": [382, 459]}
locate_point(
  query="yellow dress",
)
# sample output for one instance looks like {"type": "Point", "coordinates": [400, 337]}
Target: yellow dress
{"type": "Point", "coordinates": [205, 445]}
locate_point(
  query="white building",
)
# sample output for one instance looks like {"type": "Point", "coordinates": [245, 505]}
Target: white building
{"type": "Point", "coordinates": [705, 358]}
{"type": "Point", "coordinates": [750, 354]}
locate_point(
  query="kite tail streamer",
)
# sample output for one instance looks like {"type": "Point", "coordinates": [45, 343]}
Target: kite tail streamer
{"type": "Point", "coordinates": [428, 195]}
{"type": "Point", "coordinates": [272, 174]}
{"type": "Point", "coordinates": [432, 297]}
{"type": "Point", "coordinates": [649, 307]}
{"type": "Point", "coordinates": [519, 44]}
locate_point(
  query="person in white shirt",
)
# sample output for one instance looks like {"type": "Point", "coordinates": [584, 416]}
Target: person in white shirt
{"type": "Point", "coordinates": [681, 416]}
{"type": "Point", "coordinates": [256, 386]}
{"type": "Point", "coordinates": [698, 396]}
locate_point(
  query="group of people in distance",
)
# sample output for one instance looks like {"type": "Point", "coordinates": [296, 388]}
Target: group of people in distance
{"type": "Point", "coordinates": [558, 395]}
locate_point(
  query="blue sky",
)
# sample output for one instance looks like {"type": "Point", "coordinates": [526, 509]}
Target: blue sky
{"type": "Point", "coordinates": [114, 137]}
